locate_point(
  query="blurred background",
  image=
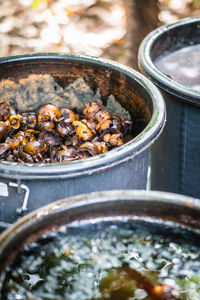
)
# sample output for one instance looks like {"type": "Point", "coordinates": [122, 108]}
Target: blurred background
{"type": "Point", "coordinates": [107, 28]}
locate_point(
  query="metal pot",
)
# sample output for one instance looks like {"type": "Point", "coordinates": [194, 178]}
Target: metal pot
{"type": "Point", "coordinates": [24, 187]}
{"type": "Point", "coordinates": [163, 208]}
{"type": "Point", "coordinates": [176, 156]}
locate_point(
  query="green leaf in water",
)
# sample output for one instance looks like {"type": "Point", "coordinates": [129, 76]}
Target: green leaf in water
{"type": "Point", "coordinates": [189, 287]}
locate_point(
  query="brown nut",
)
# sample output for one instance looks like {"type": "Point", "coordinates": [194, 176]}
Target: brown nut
{"type": "Point", "coordinates": [15, 121]}
{"type": "Point", "coordinates": [49, 137]}
{"type": "Point", "coordinates": [83, 131]}
{"type": "Point", "coordinates": [68, 115]}
{"type": "Point", "coordinates": [101, 147]}
{"type": "Point", "coordinates": [5, 111]}
{"type": "Point", "coordinates": [46, 125]}
{"type": "Point", "coordinates": [3, 148]}
{"type": "Point", "coordinates": [34, 147]}
{"type": "Point", "coordinates": [91, 109]}
{"type": "Point", "coordinates": [64, 129]}
{"type": "Point", "coordinates": [117, 123]}
{"type": "Point", "coordinates": [38, 157]}
{"type": "Point", "coordinates": [103, 126]}
{"type": "Point", "coordinates": [66, 154]}
{"type": "Point", "coordinates": [16, 140]}
{"type": "Point", "coordinates": [3, 130]}
{"type": "Point", "coordinates": [90, 124]}
{"type": "Point", "coordinates": [48, 113]}
{"type": "Point", "coordinates": [25, 157]}
{"type": "Point", "coordinates": [102, 115]}
{"type": "Point", "coordinates": [13, 143]}
{"type": "Point", "coordinates": [74, 141]}
{"type": "Point", "coordinates": [90, 147]}
{"type": "Point", "coordinates": [29, 136]}
{"type": "Point", "coordinates": [113, 139]}
{"type": "Point", "coordinates": [28, 121]}
{"type": "Point", "coordinates": [126, 127]}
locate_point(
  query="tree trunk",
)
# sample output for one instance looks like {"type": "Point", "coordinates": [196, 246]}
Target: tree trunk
{"type": "Point", "coordinates": [142, 18]}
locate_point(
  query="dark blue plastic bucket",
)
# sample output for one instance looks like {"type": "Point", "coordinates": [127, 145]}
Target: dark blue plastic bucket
{"type": "Point", "coordinates": [175, 157]}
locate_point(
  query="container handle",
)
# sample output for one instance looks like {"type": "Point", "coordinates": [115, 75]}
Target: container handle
{"type": "Point", "coordinates": [20, 211]}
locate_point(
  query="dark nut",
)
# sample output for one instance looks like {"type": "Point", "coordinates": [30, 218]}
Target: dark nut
{"type": "Point", "coordinates": [89, 147]}
{"type": "Point", "coordinates": [117, 123]}
{"type": "Point", "coordinates": [46, 125]}
{"type": "Point", "coordinates": [49, 137]}
{"type": "Point", "coordinates": [102, 115]}
{"type": "Point", "coordinates": [28, 121]}
{"type": "Point", "coordinates": [64, 129]}
{"type": "Point", "coordinates": [3, 131]}
{"type": "Point", "coordinates": [68, 115]}
{"type": "Point", "coordinates": [34, 147]}
{"type": "Point", "coordinates": [25, 157]}
{"type": "Point", "coordinates": [3, 148]}
{"type": "Point", "coordinates": [103, 126]}
{"type": "Point", "coordinates": [91, 109]}
{"type": "Point", "coordinates": [101, 147]}
{"type": "Point", "coordinates": [65, 154]}
{"type": "Point", "coordinates": [4, 111]}
{"type": "Point", "coordinates": [113, 139]}
{"type": "Point", "coordinates": [74, 141]}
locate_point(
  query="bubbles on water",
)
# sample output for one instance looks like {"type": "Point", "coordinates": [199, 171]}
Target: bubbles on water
{"type": "Point", "coordinates": [73, 264]}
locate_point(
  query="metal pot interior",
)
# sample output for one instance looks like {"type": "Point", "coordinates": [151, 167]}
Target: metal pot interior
{"type": "Point", "coordinates": [29, 81]}
{"type": "Point", "coordinates": [164, 208]}
{"type": "Point", "coordinates": [166, 216]}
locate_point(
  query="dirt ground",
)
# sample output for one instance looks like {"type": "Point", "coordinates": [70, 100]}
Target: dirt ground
{"type": "Point", "coordinates": [93, 27]}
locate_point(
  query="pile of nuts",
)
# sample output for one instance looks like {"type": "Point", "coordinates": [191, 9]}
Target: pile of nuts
{"type": "Point", "coordinates": [53, 135]}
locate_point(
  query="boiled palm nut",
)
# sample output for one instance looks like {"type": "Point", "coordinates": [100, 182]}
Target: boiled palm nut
{"type": "Point", "coordinates": [83, 131]}
{"type": "Point", "coordinates": [90, 124]}
{"type": "Point", "coordinates": [34, 147]}
{"type": "Point", "coordinates": [15, 121]}
{"type": "Point", "coordinates": [104, 126]}
{"type": "Point", "coordinates": [24, 157]}
{"type": "Point", "coordinates": [68, 115]}
{"type": "Point", "coordinates": [113, 139]}
{"type": "Point", "coordinates": [6, 111]}
{"type": "Point", "coordinates": [102, 115]}
{"type": "Point", "coordinates": [64, 129]}
{"type": "Point", "coordinates": [101, 147]}
{"type": "Point", "coordinates": [65, 154]}
{"type": "Point", "coordinates": [28, 121]}
{"type": "Point", "coordinates": [47, 113]}
{"type": "Point", "coordinates": [4, 147]}
{"type": "Point", "coordinates": [49, 137]}
{"type": "Point", "coordinates": [89, 147]}
{"type": "Point", "coordinates": [48, 125]}
{"type": "Point", "coordinates": [74, 141]}
{"type": "Point", "coordinates": [3, 130]}
{"type": "Point", "coordinates": [117, 123]}
{"type": "Point", "coordinates": [91, 109]}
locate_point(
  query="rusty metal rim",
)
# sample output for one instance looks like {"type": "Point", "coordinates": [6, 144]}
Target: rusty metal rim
{"type": "Point", "coordinates": [97, 197]}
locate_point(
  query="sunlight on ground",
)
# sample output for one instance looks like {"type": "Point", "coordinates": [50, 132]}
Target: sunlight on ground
{"type": "Point", "coordinates": [94, 27]}
{"type": "Point", "coordinates": [60, 26]}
